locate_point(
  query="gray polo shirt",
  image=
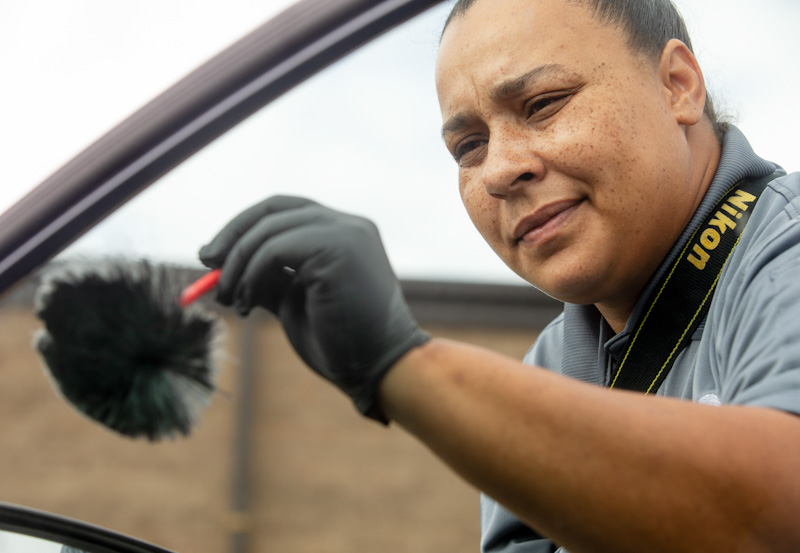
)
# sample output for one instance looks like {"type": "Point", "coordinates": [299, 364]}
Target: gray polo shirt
{"type": "Point", "coordinates": [747, 352]}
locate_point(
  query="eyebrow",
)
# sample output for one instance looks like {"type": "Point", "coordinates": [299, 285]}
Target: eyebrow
{"type": "Point", "coordinates": [514, 86]}
{"type": "Point", "coordinates": [456, 123]}
{"type": "Point", "coordinates": [503, 91]}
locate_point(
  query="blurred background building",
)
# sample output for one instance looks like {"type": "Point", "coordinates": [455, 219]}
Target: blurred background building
{"type": "Point", "coordinates": [281, 461]}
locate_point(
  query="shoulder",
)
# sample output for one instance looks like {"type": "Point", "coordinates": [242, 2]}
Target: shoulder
{"type": "Point", "coordinates": [546, 350]}
{"type": "Point", "coordinates": [768, 254]}
{"type": "Point", "coordinates": [781, 197]}
{"type": "Point", "coordinates": [771, 241]}
{"type": "Point", "coordinates": [754, 322]}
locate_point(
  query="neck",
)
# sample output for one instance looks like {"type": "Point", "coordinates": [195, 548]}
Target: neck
{"type": "Point", "coordinates": [616, 315]}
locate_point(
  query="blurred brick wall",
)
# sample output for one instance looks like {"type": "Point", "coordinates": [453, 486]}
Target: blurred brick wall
{"type": "Point", "coordinates": [323, 478]}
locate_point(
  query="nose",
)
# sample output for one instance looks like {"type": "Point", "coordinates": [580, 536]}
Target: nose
{"type": "Point", "coordinates": [511, 163]}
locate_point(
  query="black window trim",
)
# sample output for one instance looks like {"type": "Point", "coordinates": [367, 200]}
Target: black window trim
{"type": "Point", "coordinates": [71, 532]}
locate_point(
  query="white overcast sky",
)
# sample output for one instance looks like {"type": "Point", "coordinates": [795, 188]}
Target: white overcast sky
{"type": "Point", "coordinates": [362, 136]}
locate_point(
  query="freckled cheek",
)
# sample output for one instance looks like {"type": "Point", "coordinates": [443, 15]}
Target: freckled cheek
{"type": "Point", "coordinates": [595, 146]}
{"type": "Point", "coordinates": [579, 145]}
{"type": "Point", "coordinates": [483, 212]}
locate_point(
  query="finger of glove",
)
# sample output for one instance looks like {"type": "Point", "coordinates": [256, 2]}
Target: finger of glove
{"type": "Point", "coordinates": [338, 256]}
{"type": "Point", "coordinates": [264, 280]}
{"type": "Point", "coordinates": [214, 253]}
{"type": "Point", "coordinates": [267, 229]}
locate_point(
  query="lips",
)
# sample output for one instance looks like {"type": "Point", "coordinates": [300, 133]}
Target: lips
{"type": "Point", "coordinates": [544, 221]}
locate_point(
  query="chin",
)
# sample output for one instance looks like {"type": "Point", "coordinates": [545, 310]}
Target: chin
{"type": "Point", "coordinates": [570, 288]}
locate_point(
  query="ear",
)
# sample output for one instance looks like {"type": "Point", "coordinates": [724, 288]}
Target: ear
{"type": "Point", "coordinates": [682, 79]}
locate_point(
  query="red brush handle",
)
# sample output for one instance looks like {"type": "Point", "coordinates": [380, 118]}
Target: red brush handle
{"type": "Point", "coordinates": [201, 286]}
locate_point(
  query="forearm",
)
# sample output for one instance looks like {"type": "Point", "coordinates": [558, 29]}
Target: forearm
{"type": "Point", "coordinates": [601, 470]}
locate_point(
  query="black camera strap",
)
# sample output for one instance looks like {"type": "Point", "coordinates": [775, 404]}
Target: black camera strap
{"type": "Point", "coordinates": [684, 293]}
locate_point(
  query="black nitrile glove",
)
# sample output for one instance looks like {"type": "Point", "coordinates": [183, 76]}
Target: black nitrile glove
{"type": "Point", "coordinates": [326, 276]}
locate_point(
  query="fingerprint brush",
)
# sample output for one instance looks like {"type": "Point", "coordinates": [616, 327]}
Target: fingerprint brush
{"type": "Point", "coordinates": [123, 345]}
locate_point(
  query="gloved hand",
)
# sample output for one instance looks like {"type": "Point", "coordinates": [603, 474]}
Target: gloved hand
{"type": "Point", "coordinates": [326, 276]}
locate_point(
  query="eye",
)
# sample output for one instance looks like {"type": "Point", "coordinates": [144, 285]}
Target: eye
{"type": "Point", "coordinates": [547, 105]}
{"type": "Point", "coordinates": [467, 151]}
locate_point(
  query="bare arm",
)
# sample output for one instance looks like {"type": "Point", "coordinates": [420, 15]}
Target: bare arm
{"type": "Point", "coordinates": [599, 470]}
{"type": "Point", "coordinates": [593, 469]}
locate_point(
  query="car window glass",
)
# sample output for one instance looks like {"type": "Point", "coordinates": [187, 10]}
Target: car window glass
{"type": "Point", "coordinates": [362, 136]}
{"type": "Point", "coordinates": [72, 70]}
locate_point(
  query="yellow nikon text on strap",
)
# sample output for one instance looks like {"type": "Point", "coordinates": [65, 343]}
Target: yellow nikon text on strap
{"type": "Point", "coordinates": [712, 235]}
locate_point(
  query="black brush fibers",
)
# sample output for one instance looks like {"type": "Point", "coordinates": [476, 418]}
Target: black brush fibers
{"type": "Point", "coordinates": [121, 349]}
